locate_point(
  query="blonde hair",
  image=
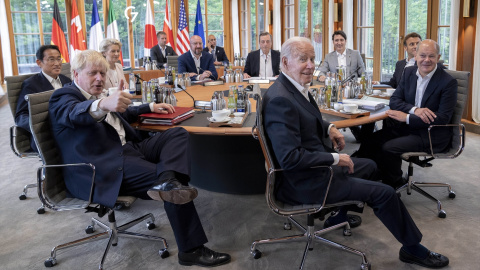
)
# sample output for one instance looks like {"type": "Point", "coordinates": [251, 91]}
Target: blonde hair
{"type": "Point", "coordinates": [89, 56]}
{"type": "Point", "coordinates": [106, 43]}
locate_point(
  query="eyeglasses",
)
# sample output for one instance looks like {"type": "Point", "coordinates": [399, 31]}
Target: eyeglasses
{"type": "Point", "coordinates": [54, 60]}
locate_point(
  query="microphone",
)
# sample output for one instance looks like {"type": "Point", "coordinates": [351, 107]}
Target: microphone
{"type": "Point", "coordinates": [349, 78]}
{"type": "Point", "coordinates": [318, 67]}
{"type": "Point", "coordinates": [202, 70]}
{"type": "Point", "coordinates": [266, 56]}
{"type": "Point", "coordinates": [185, 90]}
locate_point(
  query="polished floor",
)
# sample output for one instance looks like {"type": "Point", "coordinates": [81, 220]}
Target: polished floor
{"type": "Point", "coordinates": [232, 222]}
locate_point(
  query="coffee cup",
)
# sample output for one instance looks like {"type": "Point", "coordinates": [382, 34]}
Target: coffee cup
{"type": "Point", "coordinates": [390, 91]}
{"type": "Point", "coordinates": [377, 92]}
{"type": "Point", "coordinates": [338, 106]}
{"type": "Point", "coordinates": [350, 108]}
{"type": "Point", "coordinates": [220, 114]}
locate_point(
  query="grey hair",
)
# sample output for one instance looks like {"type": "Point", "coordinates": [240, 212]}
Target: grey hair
{"type": "Point", "coordinates": [265, 34]}
{"type": "Point", "coordinates": [290, 48]}
{"type": "Point", "coordinates": [437, 47]}
{"type": "Point", "coordinates": [106, 43]}
{"type": "Point", "coordinates": [88, 56]}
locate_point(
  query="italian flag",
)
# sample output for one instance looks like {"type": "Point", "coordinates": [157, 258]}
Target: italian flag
{"type": "Point", "coordinates": [112, 28]}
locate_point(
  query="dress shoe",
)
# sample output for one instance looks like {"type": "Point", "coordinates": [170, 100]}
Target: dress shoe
{"type": "Point", "coordinates": [433, 260]}
{"type": "Point", "coordinates": [172, 191]}
{"type": "Point", "coordinates": [353, 221]}
{"type": "Point", "coordinates": [203, 256]}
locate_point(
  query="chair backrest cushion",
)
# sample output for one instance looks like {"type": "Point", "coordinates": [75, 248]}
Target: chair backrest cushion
{"type": "Point", "coordinates": [14, 86]}
{"type": "Point", "coordinates": [462, 78]}
{"type": "Point", "coordinates": [172, 61]}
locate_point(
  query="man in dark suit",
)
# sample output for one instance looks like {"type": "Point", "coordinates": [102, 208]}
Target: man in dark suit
{"type": "Point", "coordinates": [296, 130]}
{"type": "Point", "coordinates": [426, 96]}
{"type": "Point", "coordinates": [218, 53]}
{"type": "Point", "coordinates": [263, 62]}
{"type": "Point", "coordinates": [50, 61]}
{"type": "Point", "coordinates": [197, 62]}
{"type": "Point", "coordinates": [160, 51]}
{"type": "Point", "coordinates": [97, 131]}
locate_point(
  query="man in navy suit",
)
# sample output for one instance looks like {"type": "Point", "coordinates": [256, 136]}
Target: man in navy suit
{"type": "Point", "coordinates": [218, 53]}
{"type": "Point", "coordinates": [197, 62]}
{"type": "Point", "coordinates": [296, 130]}
{"type": "Point", "coordinates": [160, 51]}
{"type": "Point", "coordinates": [89, 129]}
{"type": "Point", "coordinates": [263, 62]}
{"type": "Point", "coordinates": [50, 61]}
{"type": "Point", "coordinates": [426, 96]}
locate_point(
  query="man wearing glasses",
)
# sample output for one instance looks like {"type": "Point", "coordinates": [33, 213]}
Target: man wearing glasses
{"type": "Point", "coordinates": [50, 61]}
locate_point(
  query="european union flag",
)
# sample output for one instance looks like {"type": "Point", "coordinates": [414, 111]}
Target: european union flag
{"type": "Point", "coordinates": [198, 30]}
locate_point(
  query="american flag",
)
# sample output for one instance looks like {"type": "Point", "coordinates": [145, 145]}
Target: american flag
{"type": "Point", "coordinates": [183, 40]}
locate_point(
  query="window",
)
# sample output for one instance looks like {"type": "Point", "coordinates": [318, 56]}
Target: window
{"type": "Point", "coordinates": [212, 20]}
{"type": "Point", "coordinates": [138, 27]}
{"type": "Point", "coordinates": [88, 16]}
{"type": "Point", "coordinates": [390, 38]}
{"type": "Point", "coordinates": [417, 11]}
{"type": "Point", "coordinates": [122, 24]}
{"type": "Point", "coordinates": [444, 29]}
{"type": "Point", "coordinates": [252, 23]}
{"type": "Point", "coordinates": [365, 31]}
{"type": "Point", "coordinates": [244, 28]}
{"type": "Point", "coordinates": [289, 12]}
{"type": "Point", "coordinates": [317, 29]}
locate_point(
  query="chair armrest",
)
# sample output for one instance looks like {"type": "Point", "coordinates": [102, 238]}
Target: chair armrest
{"type": "Point", "coordinates": [13, 144]}
{"type": "Point", "coordinates": [461, 145]}
{"type": "Point", "coordinates": [42, 177]}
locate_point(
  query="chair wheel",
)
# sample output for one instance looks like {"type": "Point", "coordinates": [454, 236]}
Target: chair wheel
{"type": "Point", "coordinates": [50, 262]}
{"type": "Point", "coordinates": [41, 211]}
{"type": "Point", "coordinates": [442, 214]}
{"type": "Point", "coordinates": [451, 195]}
{"type": "Point", "coordinates": [163, 253]}
{"type": "Point", "coordinates": [347, 232]}
{"type": "Point", "coordinates": [257, 254]}
{"type": "Point", "coordinates": [287, 226]}
{"type": "Point", "coordinates": [22, 197]}
{"type": "Point", "coordinates": [90, 229]}
{"type": "Point", "coordinates": [366, 266]}
{"type": "Point", "coordinates": [151, 225]}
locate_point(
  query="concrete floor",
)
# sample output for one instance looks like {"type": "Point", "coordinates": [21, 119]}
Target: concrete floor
{"type": "Point", "coordinates": [232, 222]}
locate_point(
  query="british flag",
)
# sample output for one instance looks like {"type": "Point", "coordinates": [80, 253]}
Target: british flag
{"type": "Point", "coordinates": [183, 39]}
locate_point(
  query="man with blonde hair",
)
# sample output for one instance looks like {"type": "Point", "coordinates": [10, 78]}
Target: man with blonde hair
{"type": "Point", "coordinates": [92, 130]}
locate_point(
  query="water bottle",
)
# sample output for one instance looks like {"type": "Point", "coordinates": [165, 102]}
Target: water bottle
{"type": "Point", "coordinates": [138, 87]}
{"type": "Point", "coordinates": [232, 104]}
{"type": "Point", "coordinates": [240, 99]}
{"type": "Point", "coordinates": [131, 83]}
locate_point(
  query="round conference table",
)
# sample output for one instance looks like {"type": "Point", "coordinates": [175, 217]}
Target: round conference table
{"type": "Point", "coordinates": [229, 159]}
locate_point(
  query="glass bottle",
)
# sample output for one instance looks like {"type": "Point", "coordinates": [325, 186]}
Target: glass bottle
{"type": "Point", "coordinates": [131, 83]}
{"type": "Point", "coordinates": [232, 104]}
{"type": "Point", "coordinates": [363, 83]}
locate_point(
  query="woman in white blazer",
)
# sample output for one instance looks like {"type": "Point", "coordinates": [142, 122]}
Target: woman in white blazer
{"type": "Point", "coordinates": [110, 49]}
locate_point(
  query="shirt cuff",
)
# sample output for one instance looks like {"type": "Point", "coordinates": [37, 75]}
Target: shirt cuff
{"type": "Point", "coordinates": [408, 119]}
{"type": "Point", "coordinates": [328, 131]}
{"type": "Point", "coordinates": [198, 77]}
{"type": "Point", "coordinates": [95, 111]}
{"type": "Point", "coordinates": [151, 106]}
{"type": "Point", "coordinates": [412, 110]}
{"type": "Point", "coordinates": [336, 158]}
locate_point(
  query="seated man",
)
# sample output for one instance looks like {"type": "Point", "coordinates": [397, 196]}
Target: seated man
{"type": "Point", "coordinates": [160, 51]}
{"type": "Point", "coordinates": [218, 53]}
{"type": "Point", "coordinates": [97, 131]}
{"type": "Point", "coordinates": [49, 60]}
{"type": "Point", "coordinates": [263, 62]}
{"type": "Point", "coordinates": [295, 127]}
{"type": "Point", "coordinates": [426, 96]}
{"type": "Point", "coordinates": [348, 58]}
{"type": "Point", "coordinates": [199, 64]}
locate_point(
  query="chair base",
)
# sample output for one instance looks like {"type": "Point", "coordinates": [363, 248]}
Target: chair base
{"type": "Point", "coordinates": [23, 196]}
{"type": "Point", "coordinates": [310, 236]}
{"type": "Point", "coordinates": [413, 185]}
{"type": "Point", "coordinates": [112, 232]}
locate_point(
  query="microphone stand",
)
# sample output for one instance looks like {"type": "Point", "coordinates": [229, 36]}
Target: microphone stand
{"type": "Point", "coordinates": [318, 67]}
{"type": "Point", "coordinates": [350, 77]}
{"type": "Point", "coordinates": [266, 56]}
{"type": "Point", "coordinates": [138, 77]}
{"type": "Point", "coordinates": [184, 89]}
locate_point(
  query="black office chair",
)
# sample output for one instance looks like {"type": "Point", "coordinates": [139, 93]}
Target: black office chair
{"type": "Point", "coordinates": [308, 234]}
{"type": "Point", "coordinates": [53, 192]}
{"type": "Point", "coordinates": [423, 159]}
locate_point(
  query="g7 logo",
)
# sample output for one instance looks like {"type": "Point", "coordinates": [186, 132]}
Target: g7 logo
{"type": "Point", "coordinates": [134, 14]}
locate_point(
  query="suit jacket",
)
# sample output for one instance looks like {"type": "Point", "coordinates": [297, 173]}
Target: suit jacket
{"type": "Point", "coordinates": [219, 53]}
{"type": "Point", "coordinates": [187, 64]}
{"type": "Point", "coordinates": [399, 69]}
{"type": "Point", "coordinates": [109, 82]}
{"type": "Point", "coordinates": [156, 54]}
{"type": "Point", "coordinates": [295, 129]}
{"type": "Point", "coordinates": [35, 84]}
{"type": "Point", "coordinates": [440, 96]}
{"type": "Point", "coordinates": [354, 61]}
{"type": "Point", "coordinates": [252, 65]}
{"type": "Point", "coordinates": [81, 139]}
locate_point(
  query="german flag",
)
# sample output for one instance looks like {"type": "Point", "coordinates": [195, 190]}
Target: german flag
{"type": "Point", "coordinates": [58, 34]}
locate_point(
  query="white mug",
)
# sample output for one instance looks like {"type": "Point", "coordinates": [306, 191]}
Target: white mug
{"type": "Point", "coordinates": [350, 108]}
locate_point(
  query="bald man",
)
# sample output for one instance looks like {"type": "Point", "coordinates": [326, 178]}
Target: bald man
{"type": "Point", "coordinates": [197, 63]}
{"type": "Point", "coordinates": [218, 53]}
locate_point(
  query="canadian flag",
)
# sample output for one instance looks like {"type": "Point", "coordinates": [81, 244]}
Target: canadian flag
{"type": "Point", "coordinates": [77, 40]}
{"type": "Point", "coordinates": [167, 27]}
{"type": "Point", "coordinates": [150, 33]}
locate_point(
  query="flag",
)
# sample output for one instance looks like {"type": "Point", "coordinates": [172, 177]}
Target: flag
{"type": "Point", "coordinates": [150, 33]}
{"type": "Point", "coordinates": [96, 35]}
{"type": "Point", "coordinates": [167, 27]}
{"type": "Point", "coordinates": [112, 28]}
{"type": "Point", "coordinates": [183, 40]}
{"type": "Point", "coordinates": [77, 41]}
{"type": "Point", "coordinates": [198, 30]}
{"type": "Point", "coordinates": [58, 34]}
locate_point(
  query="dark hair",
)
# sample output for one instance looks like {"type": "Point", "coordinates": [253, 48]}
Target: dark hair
{"type": "Point", "coordinates": [160, 33]}
{"type": "Point", "coordinates": [339, 32]}
{"type": "Point", "coordinates": [411, 35]}
{"type": "Point", "coordinates": [43, 48]}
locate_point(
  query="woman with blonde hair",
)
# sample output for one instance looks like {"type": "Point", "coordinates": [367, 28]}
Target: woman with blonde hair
{"type": "Point", "coordinates": [110, 48]}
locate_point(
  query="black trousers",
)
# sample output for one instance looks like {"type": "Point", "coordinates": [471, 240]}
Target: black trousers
{"type": "Point", "coordinates": [382, 198]}
{"type": "Point", "coordinates": [145, 161]}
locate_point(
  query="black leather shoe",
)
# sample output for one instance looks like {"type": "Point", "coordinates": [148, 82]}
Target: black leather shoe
{"type": "Point", "coordinates": [353, 221]}
{"type": "Point", "coordinates": [203, 256]}
{"type": "Point", "coordinates": [172, 191]}
{"type": "Point", "coordinates": [433, 260]}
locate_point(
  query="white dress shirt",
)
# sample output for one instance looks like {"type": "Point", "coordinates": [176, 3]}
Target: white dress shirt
{"type": "Point", "coordinates": [342, 58]}
{"type": "Point", "coordinates": [410, 62]}
{"type": "Point", "coordinates": [56, 83]}
{"type": "Point", "coordinates": [265, 66]}
{"type": "Point", "coordinates": [304, 91]}
{"type": "Point", "coordinates": [422, 84]}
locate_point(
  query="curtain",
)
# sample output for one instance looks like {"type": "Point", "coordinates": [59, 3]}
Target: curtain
{"type": "Point", "coordinates": [348, 22]}
{"type": "Point", "coordinates": [476, 78]}
{"type": "Point", "coordinates": [330, 27]}
{"type": "Point", "coordinates": [7, 57]}
{"type": "Point", "coordinates": [277, 26]}
{"type": "Point", "coordinates": [454, 18]}
{"type": "Point", "coordinates": [235, 27]}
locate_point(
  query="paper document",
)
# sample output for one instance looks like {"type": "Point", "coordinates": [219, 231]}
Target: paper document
{"type": "Point", "coordinates": [365, 104]}
{"type": "Point", "coordinates": [262, 78]}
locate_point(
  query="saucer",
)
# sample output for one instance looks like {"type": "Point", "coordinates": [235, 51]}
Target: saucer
{"type": "Point", "coordinates": [354, 112]}
{"type": "Point", "coordinates": [213, 120]}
